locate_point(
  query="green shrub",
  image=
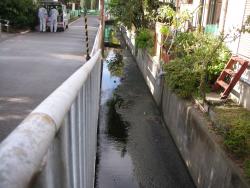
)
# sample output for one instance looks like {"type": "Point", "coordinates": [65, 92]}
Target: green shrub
{"type": "Point", "coordinates": [127, 12]}
{"type": "Point", "coordinates": [237, 138]}
{"type": "Point", "coordinates": [236, 121]}
{"type": "Point", "coordinates": [220, 58]}
{"type": "Point", "coordinates": [165, 14]}
{"type": "Point", "coordinates": [21, 13]}
{"type": "Point", "coordinates": [184, 44]}
{"type": "Point", "coordinates": [207, 54]}
{"type": "Point", "coordinates": [115, 64]}
{"type": "Point", "coordinates": [165, 30]}
{"type": "Point", "coordinates": [181, 77]}
{"type": "Point", "coordinates": [144, 39]}
{"type": "Point", "coordinates": [247, 168]}
{"type": "Point", "coordinates": [197, 54]}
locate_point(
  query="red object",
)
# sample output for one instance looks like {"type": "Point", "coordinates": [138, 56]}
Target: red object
{"type": "Point", "coordinates": [228, 78]}
{"type": "Point", "coordinates": [165, 57]}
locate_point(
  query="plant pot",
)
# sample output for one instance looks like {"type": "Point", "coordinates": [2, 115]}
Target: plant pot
{"type": "Point", "coordinates": [165, 56]}
{"type": "Point", "coordinates": [158, 39]}
{"type": "Point", "coordinates": [187, 1]}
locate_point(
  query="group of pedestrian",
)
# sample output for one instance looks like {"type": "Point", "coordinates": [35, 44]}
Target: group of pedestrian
{"type": "Point", "coordinates": [52, 18]}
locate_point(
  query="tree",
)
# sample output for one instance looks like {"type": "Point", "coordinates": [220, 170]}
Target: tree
{"type": "Point", "coordinates": [67, 2]}
{"type": "Point", "coordinates": [21, 13]}
{"type": "Point", "coordinates": [128, 12]}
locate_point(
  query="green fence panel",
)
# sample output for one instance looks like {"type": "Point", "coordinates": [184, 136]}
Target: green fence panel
{"type": "Point", "coordinates": [212, 28]}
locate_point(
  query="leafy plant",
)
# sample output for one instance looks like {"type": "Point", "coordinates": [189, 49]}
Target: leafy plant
{"type": "Point", "coordinates": [181, 77]}
{"type": "Point", "coordinates": [237, 139]}
{"type": "Point", "coordinates": [184, 44]}
{"type": "Point", "coordinates": [115, 64]}
{"type": "Point", "coordinates": [150, 10]}
{"type": "Point", "coordinates": [165, 14]}
{"type": "Point", "coordinates": [246, 27]}
{"type": "Point", "coordinates": [197, 52]}
{"type": "Point", "coordinates": [234, 125]}
{"type": "Point", "coordinates": [202, 47]}
{"type": "Point", "coordinates": [144, 39]}
{"type": "Point", "coordinates": [165, 30]}
{"type": "Point", "coordinates": [173, 26]}
{"type": "Point", "coordinates": [21, 13]}
{"type": "Point", "coordinates": [128, 12]}
{"type": "Point", "coordinates": [220, 58]}
{"type": "Point", "coordinates": [236, 121]}
{"type": "Point", "coordinates": [247, 168]}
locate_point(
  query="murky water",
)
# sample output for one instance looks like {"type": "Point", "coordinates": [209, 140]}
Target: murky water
{"type": "Point", "coordinates": [114, 164]}
{"type": "Point", "coordinates": [134, 147]}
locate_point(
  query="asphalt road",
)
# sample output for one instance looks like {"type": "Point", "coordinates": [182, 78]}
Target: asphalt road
{"type": "Point", "coordinates": [34, 64]}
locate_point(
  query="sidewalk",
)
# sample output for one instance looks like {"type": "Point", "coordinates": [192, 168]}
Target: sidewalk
{"type": "Point", "coordinates": [33, 65]}
{"type": "Point", "coordinates": [5, 36]}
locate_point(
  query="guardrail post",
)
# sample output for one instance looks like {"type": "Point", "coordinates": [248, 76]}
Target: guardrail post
{"type": "Point", "coordinates": [73, 141]}
{"type": "Point", "coordinates": [86, 35]}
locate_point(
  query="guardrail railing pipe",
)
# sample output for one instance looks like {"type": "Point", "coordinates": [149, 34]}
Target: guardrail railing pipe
{"type": "Point", "coordinates": [22, 152]}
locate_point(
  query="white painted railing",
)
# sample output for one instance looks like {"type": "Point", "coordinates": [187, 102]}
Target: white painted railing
{"type": "Point", "coordinates": [55, 146]}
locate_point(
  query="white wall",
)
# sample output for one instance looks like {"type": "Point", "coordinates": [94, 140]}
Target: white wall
{"type": "Point", "coordinates": [236, 13]}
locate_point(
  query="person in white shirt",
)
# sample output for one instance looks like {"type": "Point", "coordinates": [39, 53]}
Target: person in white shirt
{"type": "Point", "coordinates": [53, 19]}
{"type": "Point", "coordinates": [42, 14]}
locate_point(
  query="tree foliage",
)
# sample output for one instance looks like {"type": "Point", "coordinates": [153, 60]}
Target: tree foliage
{"type": "Point", "coordinates": [144, 39]}
{"type": "Point", "coordinates": [20, 13]}
{"type": "Point", "coordinates": [128, 12]}
{"type": "Point", "coordinates": [140, 13]}
{"type": "Point", "coordinates": [196, 55]}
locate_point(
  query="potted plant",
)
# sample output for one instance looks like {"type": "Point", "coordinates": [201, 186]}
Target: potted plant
{"type": "Point", "coordinates": [187, 1]}
{"type": "Point", "coordinates": [164, 18]}
{"type": "Point", "coordinates": [166, 33]}
{"type": "Point", "coordinates": [169, 32]}
{"type": "Point", "coordinates": [144, 39]}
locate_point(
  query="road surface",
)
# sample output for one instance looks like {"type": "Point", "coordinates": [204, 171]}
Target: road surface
{"type": "Point", "coordinates": [34, 64]}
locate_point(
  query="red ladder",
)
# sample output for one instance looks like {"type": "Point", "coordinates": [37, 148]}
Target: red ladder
{"type": "Point", "coordinates": [228, 78]}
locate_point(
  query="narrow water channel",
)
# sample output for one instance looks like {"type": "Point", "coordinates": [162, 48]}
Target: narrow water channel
{"type": "Point", "coordinates": [134, 146]}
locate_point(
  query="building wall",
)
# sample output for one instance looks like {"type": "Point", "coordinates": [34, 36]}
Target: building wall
{"type": "Point", "coordinates": [235, 18]}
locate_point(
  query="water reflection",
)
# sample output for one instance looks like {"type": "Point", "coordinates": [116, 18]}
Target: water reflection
{"type": "Point", "coordinates": [112, 73]}
{"type": "Point", "coordinates": [117, 128]}
{"type": "Point", "coordinates": [114, 167]}
{"type": "Point", "coordinates": [115, 63]}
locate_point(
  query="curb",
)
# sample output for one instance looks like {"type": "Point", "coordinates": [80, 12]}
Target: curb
{"type": "Point", "coordinates": [24, 32]}
{"type": "Point", "coordinates": [74, 21]}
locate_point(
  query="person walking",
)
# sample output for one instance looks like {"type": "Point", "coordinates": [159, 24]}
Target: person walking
{"type": "Point", "coordinates": [53, 19]}
{"type": "Point", "coordinates": [42, 14]}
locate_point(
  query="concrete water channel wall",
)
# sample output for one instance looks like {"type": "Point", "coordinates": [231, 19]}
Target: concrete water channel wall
{"type": "Point", "coordinates": [207, 163]}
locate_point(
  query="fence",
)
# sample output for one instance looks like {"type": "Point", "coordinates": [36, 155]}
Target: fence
{"type": "Point", "coordinates": [74, 13]}
{"type": "Point", "coordinates": [4, 25]}
{"type": "Point", "coordinates": [55, 146]}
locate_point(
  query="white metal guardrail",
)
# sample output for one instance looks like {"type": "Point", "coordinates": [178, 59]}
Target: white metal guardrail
{"type": "Point", "coordinates": [55, 146]}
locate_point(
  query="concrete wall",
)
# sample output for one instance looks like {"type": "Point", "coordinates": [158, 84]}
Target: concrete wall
{"type": "Point", "coordinates": [206, 162]}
